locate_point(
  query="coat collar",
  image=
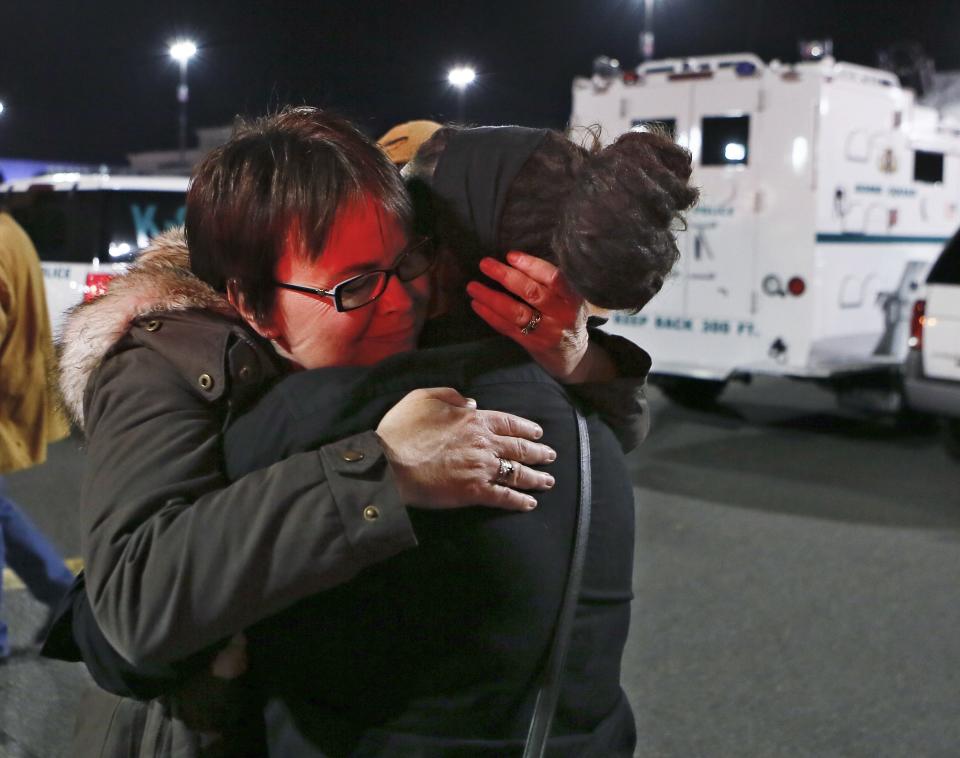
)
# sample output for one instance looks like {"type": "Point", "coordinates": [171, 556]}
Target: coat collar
{"type": "Point", "coordinates": [160, 281]}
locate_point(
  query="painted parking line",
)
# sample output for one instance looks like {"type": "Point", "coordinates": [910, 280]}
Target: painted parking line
{"type": "Point", "coordinates": [12, 582]}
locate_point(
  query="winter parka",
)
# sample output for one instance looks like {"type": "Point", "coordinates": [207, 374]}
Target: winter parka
{"type": "Point", "coordinates": [176, 557]}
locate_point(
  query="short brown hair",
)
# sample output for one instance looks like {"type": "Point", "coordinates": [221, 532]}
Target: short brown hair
{"type": "Point", "coordinates": [289, 171]}
{"type": "Point", "coordinates": [606, 216]}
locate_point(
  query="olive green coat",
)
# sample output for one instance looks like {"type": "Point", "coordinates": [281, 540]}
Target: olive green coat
{"type": "Point", "coordinates": [176, 557]}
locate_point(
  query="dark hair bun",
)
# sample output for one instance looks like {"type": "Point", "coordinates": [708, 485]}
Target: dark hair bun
{"type": "Point", "coordinates": [615, 238]}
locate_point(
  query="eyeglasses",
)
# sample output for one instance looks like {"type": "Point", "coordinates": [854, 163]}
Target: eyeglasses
{"type": "Point", "coordinates": [361, 290]}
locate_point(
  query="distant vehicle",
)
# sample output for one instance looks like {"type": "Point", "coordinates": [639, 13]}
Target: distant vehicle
{"type": "Point", "coordinates": [932, 370]}
{"type": "Point", "coordinates": [826, 194]}
{"type": "Point", "coordinates": [88, 227]}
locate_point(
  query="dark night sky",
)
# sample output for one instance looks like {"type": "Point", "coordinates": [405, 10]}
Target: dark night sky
{"type": "Point", "coordinates": [91, 81]}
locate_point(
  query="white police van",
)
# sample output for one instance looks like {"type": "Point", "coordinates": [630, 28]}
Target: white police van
{"type": "Point", "coordinates": [932, 371]}
{"type": "Point", "coordinates": [88, 227]}
{"type": "Point", "coordinates": [826, 193]}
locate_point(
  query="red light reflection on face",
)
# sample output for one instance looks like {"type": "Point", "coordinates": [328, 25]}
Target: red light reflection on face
{"type": "Point", "coordinates": [310, 331]}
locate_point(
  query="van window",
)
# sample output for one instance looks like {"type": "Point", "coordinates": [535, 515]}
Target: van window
{"type": "Point", "coordinates": [947, 268]}
{"type": "Point", "coordinates": [725, 140]}
{"type": "Point", "coordinates": [78, 226]}
{"type": "Point", "coordinates": [133, 218]}
{"type": "Point", "coordinates": [60, 224]}
{"type": "Point", "coordinates": [927, 167]}
{"type": "Point", "coordinates": [666, 126]}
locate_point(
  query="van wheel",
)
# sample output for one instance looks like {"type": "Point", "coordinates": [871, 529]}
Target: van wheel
{"type": "Point", "coordinates": [951, 436]}
{"type": "Point", "coordinates": [690, 393]}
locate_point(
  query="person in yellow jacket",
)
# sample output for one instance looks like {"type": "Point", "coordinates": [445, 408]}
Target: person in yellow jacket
{"type": "Point", "coordinates": [30, 416]}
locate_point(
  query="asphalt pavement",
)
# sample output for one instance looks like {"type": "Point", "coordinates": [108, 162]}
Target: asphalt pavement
{"type": "Point", "coordinates": [796, 587]}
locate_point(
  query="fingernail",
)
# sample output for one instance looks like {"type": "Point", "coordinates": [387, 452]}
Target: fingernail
{"type": "Point", "coordinates": [551, 456]}
{"type": "Point", "coordinates": [549, 481]}
{"type": "Point", "coordinates": [471, 403]}
{"type": "Point", "coordinates": [537, 432]}
{"type": "Point", "coordinates": [531, 504]}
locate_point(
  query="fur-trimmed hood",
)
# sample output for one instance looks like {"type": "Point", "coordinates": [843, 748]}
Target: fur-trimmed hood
{"type": "Point", "coordinates": [159, 281]}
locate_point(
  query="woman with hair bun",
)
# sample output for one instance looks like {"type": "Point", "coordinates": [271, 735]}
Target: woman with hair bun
{"type": "Point", "coordinates": [595, 223]}
{"type": "Point", "coordinates": [454, 635]}
{"type": "Point", "coordinates": [597, 214]}
{"type": "Point", "coordinates": [438, 651]}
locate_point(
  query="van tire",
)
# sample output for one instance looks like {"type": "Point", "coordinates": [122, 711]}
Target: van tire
{"type": "Point", "coordinates": [950, 431]}
{"type": "Point", "coordinates": [688, 392]}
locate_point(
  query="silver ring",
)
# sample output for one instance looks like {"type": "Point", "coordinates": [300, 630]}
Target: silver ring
{"type": "Point", "coordinates": [533, 323]}
{"type": "Point", "coordinates": [506, 468]}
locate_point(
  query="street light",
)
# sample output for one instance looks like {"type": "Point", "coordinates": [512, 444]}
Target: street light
{"type": "Point", "coordinates": [1, 107]}
{"type": "Point", "coordinates": [182, 51]}
{"type": "Point", "coordinates": [646, 33]}
{"type": "Point", "coordinates": [461, 77]}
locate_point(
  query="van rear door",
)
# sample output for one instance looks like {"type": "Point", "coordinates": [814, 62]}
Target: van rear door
{"type": "Point", "coordinates": [723, 128]}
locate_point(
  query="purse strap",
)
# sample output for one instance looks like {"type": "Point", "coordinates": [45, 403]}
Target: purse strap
{"type": "Point", "coordinates": [549, 691]}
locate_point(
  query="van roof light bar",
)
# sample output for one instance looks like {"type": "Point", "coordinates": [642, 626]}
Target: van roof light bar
{"type": "Point", "coordinates": [711, 63]}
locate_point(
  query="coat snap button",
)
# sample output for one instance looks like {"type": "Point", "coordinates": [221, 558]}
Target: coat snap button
{"type": "Point", "coordinates": [152, 326]}
{"type": "Point", "coordinates": [206, 382]}
{"type": "Point", "coordinates": [244, 372]}
{"type": "Point", "coordinates": [352, 456]}
{"type": "Point", "coordinates": [371, 513]}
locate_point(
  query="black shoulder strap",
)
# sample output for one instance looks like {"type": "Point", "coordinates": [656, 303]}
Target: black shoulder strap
{"type": "Point", "coordinates": [553, 674]}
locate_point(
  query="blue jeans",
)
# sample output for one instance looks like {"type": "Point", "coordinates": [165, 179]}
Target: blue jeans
{"type": "Point", "coordinates": [31, 556]}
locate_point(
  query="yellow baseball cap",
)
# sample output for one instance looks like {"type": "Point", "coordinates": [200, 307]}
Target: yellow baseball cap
{"type": "Point", "coordinates": [402, 141]}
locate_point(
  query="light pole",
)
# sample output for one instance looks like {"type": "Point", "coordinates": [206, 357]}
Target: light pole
{"type": "Point", "coordinates": [646, 33]}
{"type": "Point", "coordinates": [461, 77]}
{"type": "Point", "coordinates": [182, 51]}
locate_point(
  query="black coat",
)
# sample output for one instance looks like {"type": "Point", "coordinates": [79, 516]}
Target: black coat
{"type": "Point", "coordinates": [437, 651]}
{"type": "Point", "coordinates": [463, 554]}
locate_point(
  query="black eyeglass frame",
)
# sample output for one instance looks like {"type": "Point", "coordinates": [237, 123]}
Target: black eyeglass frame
{"type": "Point", "coordinates": [336, 292]}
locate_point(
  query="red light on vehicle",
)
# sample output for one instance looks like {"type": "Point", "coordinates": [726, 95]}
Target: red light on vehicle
{"type": "Point", "coordinates": [95, 286]}
{"type": "Point", "coordinates": [796, 286]}
{"type": "Point", "coordinates": [630, 77]}
{"type": "Point", "coordinates": [916, 325]}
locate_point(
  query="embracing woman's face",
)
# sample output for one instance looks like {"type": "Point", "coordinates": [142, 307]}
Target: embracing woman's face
{"type": "Point", "coordinates": [309, 329]}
